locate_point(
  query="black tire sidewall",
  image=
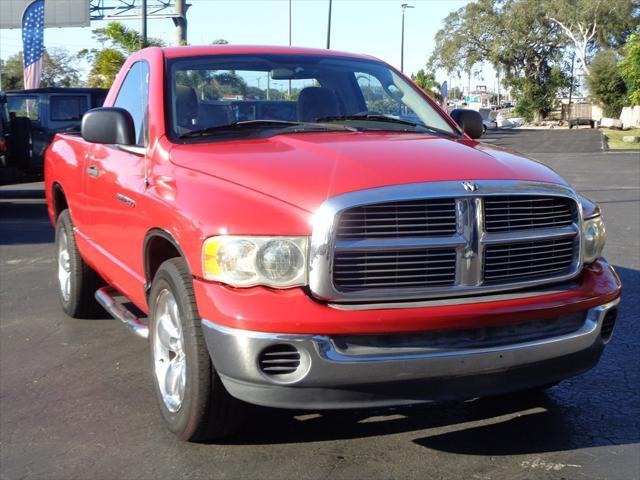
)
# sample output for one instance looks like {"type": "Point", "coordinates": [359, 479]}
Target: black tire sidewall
{"type": "Point", "coordinates": [185, 421]}
{"type": "Point", "coordinates": [70, 306]}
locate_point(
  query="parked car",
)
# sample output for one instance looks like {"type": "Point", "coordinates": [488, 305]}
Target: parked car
{"type": "Point", "coordinates": [349, 257]}
{"type": "Point", "coordinates": [41, 113]}
{"type": "Point", "coordinates": [574, 122]}
{"type": "Point", "coordinates": [5, 131]}
{"type": "Point", "coordinates": [488, 124]}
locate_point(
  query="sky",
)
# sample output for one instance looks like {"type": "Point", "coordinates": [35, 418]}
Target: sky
{"type": "Point", "coordinates": [360, 26]}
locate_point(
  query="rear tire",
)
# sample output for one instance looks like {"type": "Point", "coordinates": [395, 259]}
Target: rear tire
{"type": "Point", "coordinates": [193, 401]}
{"type": "Point", "coordinates": [77, 281]}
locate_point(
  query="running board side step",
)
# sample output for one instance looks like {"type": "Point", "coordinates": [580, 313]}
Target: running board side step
{"type": "Point", "coordinates": [105, 297]}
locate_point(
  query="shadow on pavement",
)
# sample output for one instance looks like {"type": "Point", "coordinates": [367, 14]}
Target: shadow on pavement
{"type": "Point", "coordinates": [24, 223]}
{"type": "Point", "coordinates": [597, 408]}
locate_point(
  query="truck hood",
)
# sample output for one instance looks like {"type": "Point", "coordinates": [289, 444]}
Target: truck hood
{"type": "Point", "coordinates": [306, 169]}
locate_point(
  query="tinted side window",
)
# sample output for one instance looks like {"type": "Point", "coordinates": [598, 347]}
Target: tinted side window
{"type": "Point", "coordinates": [25, 106]}
{"type": "Point", "coordinates": [133, 96]}
{"type": "Point", "coordinates": [67, 107]}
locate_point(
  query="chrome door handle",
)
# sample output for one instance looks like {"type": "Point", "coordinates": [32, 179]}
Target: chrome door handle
{"type": "Point", "coordinates": [93, 171]}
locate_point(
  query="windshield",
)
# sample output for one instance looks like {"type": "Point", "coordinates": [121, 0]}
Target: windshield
{"type": "Point", "coordinates": [221, 95]}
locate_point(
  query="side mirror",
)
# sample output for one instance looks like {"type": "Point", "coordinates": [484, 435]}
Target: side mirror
{"type": "Point", "coordinates": [108, 125]}
{"type": "Point", "coordinates": [469, 120]}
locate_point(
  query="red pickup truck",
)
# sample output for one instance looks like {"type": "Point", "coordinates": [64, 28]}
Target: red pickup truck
{"type": "Point", "coordinates": [307, 229]}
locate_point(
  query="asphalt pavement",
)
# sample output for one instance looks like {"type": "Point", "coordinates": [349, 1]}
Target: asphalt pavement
{"type": "Point", "coordinates": [76, 400]}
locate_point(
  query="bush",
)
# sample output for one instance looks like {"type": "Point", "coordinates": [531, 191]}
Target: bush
{"type": "Point", "coordinates": [606, 85]}
{"type": "Point", "coordinates": [630, 68]}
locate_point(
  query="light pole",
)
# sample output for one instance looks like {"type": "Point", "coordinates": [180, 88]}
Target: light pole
{"type": "Point", "coordinates": [329, 28]}
{"type": "Point", "coordinates": [404, 7]}
{"type": "Point", "coordinates": [143, 27]}
{"type": "Point", "coordinates": [289, 22]}
{"type": "Point", "coordinates": [289, 89]}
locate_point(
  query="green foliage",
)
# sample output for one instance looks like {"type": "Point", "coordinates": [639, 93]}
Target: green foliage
{"type": "Point", "coordinates": [529, 39]}
{"type": "Point", "coordinates": [427, 82]}
{"type": "Point", "coordinates": [630, 68]}
{"type": "Point", "coordinates": [606, 85]}
{"type": "Point", "coordinates": [211, 85]}
{"type": "Point", "coordinates": [58, 70]}
{"type": "Point", "coordinates": [455, 93]}
{"type": "Point", "coordinates": [537, 99]}
{"type": "Point", "coordinates": [513, 35]}
{"type": "Point", "coordinates": [107, 61]}
{"type": "Point", "coordinates": [123, 38]}
{"type": "Point", "coordinates": [604, 24]}
{"type": "Point", "coordinates": [105, 65]}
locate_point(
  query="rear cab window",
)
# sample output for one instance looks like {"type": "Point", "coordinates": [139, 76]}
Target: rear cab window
{"type": "Point", "coordinates": [67, 108]}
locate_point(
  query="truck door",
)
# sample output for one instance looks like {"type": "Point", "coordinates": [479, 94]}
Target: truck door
{"type": "Point", "coordinates": [115, 184]}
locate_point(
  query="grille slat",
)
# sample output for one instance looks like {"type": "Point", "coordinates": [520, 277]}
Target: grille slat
{"type": "Point", "coordinates": [420, 269]}
{"type": "Point", "coordinates": [509, 261]}
{"type": "Point", "coordinates": [417, 218]}
{"type": "Point", "coordinates": [509, 212]}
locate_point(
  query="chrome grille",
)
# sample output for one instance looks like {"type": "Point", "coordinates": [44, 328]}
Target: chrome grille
{"type": "Point", "coordinates": [443, 239]}
{"type": "Point", "coordinates": [519, 212]}
{"type": "Point", "coordinates": [399, 219]}
{"type": "Point", "coordinates": [392, 269]}
{"type": "Point", "coordinates": [513, 261]}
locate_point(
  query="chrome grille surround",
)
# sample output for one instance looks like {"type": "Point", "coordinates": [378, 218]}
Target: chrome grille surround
{"type": "Point", "coordinates": [469, 240]}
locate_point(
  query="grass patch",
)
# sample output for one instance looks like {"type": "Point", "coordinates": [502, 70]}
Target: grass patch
{"type": "Point", "coordinates": [614, 139]}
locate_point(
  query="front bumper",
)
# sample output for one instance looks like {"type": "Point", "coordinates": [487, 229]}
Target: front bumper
{"type": "Point", "coordinates": [330, 376]}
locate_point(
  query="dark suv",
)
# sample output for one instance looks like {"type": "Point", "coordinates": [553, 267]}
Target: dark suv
{"type": "Point", "coordinates": [38, 114]}
{"type": "Point", "coordinates": [4, 130]}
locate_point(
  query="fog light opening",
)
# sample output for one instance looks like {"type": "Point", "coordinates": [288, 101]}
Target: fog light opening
{"type": "Point", "coordinates": [279, 361]}
{"type": "Point", "coordinates": [608, 324]}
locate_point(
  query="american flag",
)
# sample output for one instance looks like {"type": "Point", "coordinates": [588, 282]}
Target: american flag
{"type": "Point", "coordinates": [33, 42]}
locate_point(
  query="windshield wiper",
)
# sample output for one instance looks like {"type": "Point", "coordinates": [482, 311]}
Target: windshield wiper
{"type": "Point", "coordinates": [248, 124]}
{"type": "Point", "coordinates": [385, 118]}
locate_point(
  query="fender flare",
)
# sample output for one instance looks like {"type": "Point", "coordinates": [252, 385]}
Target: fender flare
{"type": "Point", "coordinates": [150, 235]}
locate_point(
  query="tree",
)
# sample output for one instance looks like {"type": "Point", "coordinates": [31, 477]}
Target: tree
{"type": "Point", "coordinates": [107, 61]}
{"type": "Point", "coordinates": [455, 93]}
{"type": "Point", "coordinates": [513, 35]}
{"type": "Point", "coordinates": [58, 70]}
{"type": "Point", "coordinates": [605, 83]}
{"type": "Point", "coordinates": [428, 83]}
{"type": "Point", "coordinates": [629, 68]}
{"type": "Point", "coordinates": [590, 23]}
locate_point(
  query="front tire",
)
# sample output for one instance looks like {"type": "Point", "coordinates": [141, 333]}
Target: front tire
{"type": "Point", "coordinates": [77, 281]}
{"type": "Point", "coordinates": [193, 401]}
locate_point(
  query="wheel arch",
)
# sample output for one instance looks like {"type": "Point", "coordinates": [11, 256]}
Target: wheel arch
{"type": "Point", "coordinates": [59, 200]}
{"type": "Point", "coordinates": [159, 245]}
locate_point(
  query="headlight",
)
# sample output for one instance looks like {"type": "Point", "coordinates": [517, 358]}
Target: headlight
{"type": "Point", "coordinates": [594, 236]}
{"type": "Point", "coordinates": [279, 262]}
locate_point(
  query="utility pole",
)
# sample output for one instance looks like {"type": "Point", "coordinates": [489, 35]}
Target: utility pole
{"type": "Point", "coordinates": [289, 89]}
{"type": "Point", "coordinates": [573, 59]}
{"type": "Point", "coordinates": [498, 72]}
{"type": "Point", "coordinates": [404, 7]}
{"type": "Point", "coordinates": [289, 22]}
{"type": "Point", "coordinates": [329, 27]}
{"type": "Point", "coordinates": [181, 22]}
{"type": "Point", "coordinates": [143, 28]}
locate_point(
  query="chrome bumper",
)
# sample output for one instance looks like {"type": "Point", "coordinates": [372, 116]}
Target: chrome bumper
{"type": "Point", "coordinates": [330, 378]}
